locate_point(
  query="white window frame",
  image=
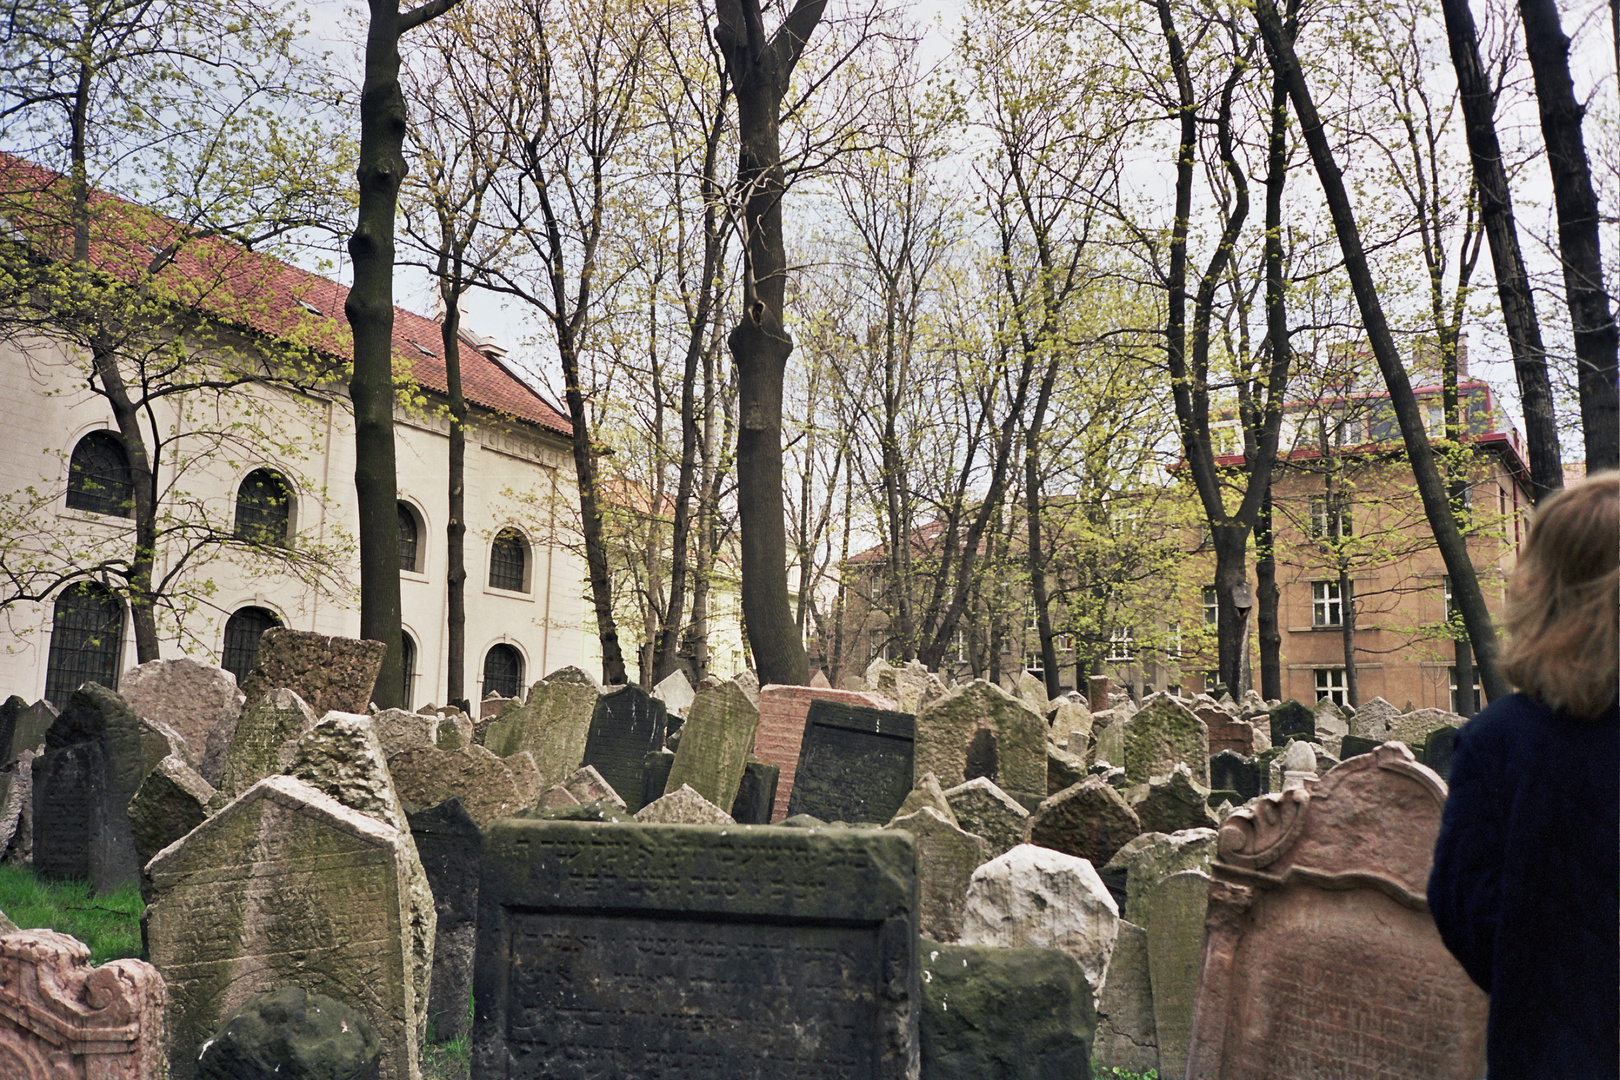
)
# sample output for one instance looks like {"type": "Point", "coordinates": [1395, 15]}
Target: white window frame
{"type": "Point", "coordinates": [1122, 645]}
{"type": "Point", "coordinates": [1330, 684]}
{"type": "Point", "coordinates": [1322, 519]}
{"type": "Point", "coordinates": [1212, 606]}
{"type": "Point", "coordinates": [1034, 665]}
{"type": "Point", "coordinates": [1327, 605]}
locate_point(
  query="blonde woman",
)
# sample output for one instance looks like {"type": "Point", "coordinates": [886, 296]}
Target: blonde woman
{"type": "Point", "coordinates": [1526, 881]}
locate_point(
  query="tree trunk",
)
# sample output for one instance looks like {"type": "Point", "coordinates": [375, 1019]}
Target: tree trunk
{"type": "Point", "coordinates": [1597, 341]}
{"type": "Point", "coordinates": [760, 345]}
{"type": "Point", "coordinates": [1266, 595]}
{"type": "Point", "coordinates": [1431, 486]}
{"type": "Point", "coordinates": [1512, 283]}
{"type": "Point", "coordinates": [456, 528]}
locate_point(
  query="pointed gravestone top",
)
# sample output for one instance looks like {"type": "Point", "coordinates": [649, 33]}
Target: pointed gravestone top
{"type": "Point", "coordinates": [819, 680]}
{"type": "Point", "coordinates": [978, 729]}
{"type": "Point", "coordinates": [571, 674]}
{"type": "Point", "coordinates": [984, 809]}
{"type": "Point", "coordinates": [928, 793]}
{"type": "Point", "coordinates": [675, 691]}
{"type": "Point", "coordinates": [1372, 719]}
{"type": "Point", "coordinates": [1032, 691]}
{"type": "Point", "coordinates": [683, 806]}
{"type": "Point", "coordinates": [749, 682]}
{"type": "Point", "coordinates": [1162, 734]}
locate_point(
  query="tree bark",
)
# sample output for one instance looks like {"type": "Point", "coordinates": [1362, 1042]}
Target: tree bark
{"type": "Point", "coordinates": [1431, 486]}
{"type": "Point", "coordinates": [1512, 283]}
{"type": "Point", "coordinates": [759, 69]}
{"type": "Point", "coordinates": [1266, 595]}
{"type": "Point", "coordinates": [456, 527]}
{"type": "Point", "coordinates": [1597, 340]}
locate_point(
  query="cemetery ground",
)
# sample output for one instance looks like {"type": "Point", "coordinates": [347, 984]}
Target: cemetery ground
{"type": "Point", "coordinates": [899, 879]}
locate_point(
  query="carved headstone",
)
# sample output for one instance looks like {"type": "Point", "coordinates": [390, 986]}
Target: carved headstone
{"type": "Point", "coordinates": [1162, 734]}
{"type": "Point", "coordinates": [655, 775]}
{"type": "Point", "coordinates": [716, 740]}
{"type": "Point", "coordinates": [28, 734]}
{"type": "Point", "coordinates": [171, 801]}
{"type": "Point", "coordinates": [189, 696]}
{"type": "Point", "coordinates": [1158, 856]}
{"type": "Point", "coordinates": [1351, 745]}
{"type": "Point", "coordinates": [780, 738]}
{"type": "Point", "coordinates": [1089, 820]}
{"type": "Point", "coordinates": [696, 952]}
{"type": "Point", "coordinates": [61, 1019]}
{"type": "Point", "coordinates": [261, 744]}
{"type": "Point", "coordinates": [984, 809]}
{"type": "Point", "coordinates": [683, 806]}
{"type": "Point", "coordinates": [1415, 727]}
{"type": "Point", "coordinates": [855, 763]}
{"type": "Point", "coordinates": [401, 729]}
{"type": "Point", "coordinates": [552, 725]}
{"type": "Point", "coordinates": [1320, 940]}
{"type": "Point", "coordinates": [946, 859]}
{"type": "Point", "coordinates": [285, 886]}
{"type": "Point", "coordinates": [1171, 803]}
{"type": "Point", "coordinates": [1126, 1037]}
{"type": "Point", "coordinates": [756, 794]}
{"type": "Point", "coordinates": [1227, 732]}
{"type": "Point", "coordinates": [331, 674]}
{"type": "Point", "coordinates": [450, 844]}
{"type": "Point", "coordinates": [1372, 719]}
{"type": "Point", "coordinates": [1174, 921]}
{"type": "Point", "coordinates": [482, 782]}
{"type": "Point", "coordinates": [928, 793]}
{"type": "Point", "coordinates": [628, 724]}
{"type": "Point", "coordinates": [978, 729]}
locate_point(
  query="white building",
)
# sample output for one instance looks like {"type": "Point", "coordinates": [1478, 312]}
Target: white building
{"type": "Point", "coordinates": [277, 466]}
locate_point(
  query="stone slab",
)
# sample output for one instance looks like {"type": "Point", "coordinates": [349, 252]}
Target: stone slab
{"type": "Point", "coordinates": [1291, 720]}
{"type": "Point", "coordinates": [261, 742]}
{"type": "Point", "coordinates": [655, 775]}
{"type": "Point", "coordinates": [756, 794]}
{"type": "Point", "coordinates": [985, 810]}
{"type": "Point", "coordinates": [978, 729]}
{"type": "Point", "coordinates": [709, 953]}
{"type": "Point", "coordinates": [1126, 1037]}
{"type": "Point", "coordinates": [450, 844]}
{"type": "Point", "coordinates": [855, 763]}
{"type": "Point", "coordinates": [1161, 735]}
{"type": "Point", "coordinates": [331, 674]}
{"type": "Point", "coordinates": [482, 782]}
{"type": "Point", "coordinates": [1089, 820]}
{"type": "Point", "coordinates": [627, 725]}
{"type": "Point", "coordinates": [1174, 921]}
{"type": "Point", "coordinates": [715, 743]}
{"type": "Point", "coordinates": [946, 859]}
{"type": "Point", "coordinates": [780, 737]}
{"type": "Point", "coordinates": [552, 725]}
{"type": "Point", "coordinates": [189, 696]}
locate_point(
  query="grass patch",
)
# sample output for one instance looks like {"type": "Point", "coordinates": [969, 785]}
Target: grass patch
{"type": "Point", "coordinates": [1101, 1072]}
{"type": "Point", "coordinates": [110, 925]}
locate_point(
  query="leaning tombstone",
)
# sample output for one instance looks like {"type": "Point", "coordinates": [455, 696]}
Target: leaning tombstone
{"type": "Point", "coordinates": [683, 806]}
{"type": "Point", "coordinates": [285, 886]}
{"type": "Point", "coordinates": [1291, 720]}
{"type": "Point", "coordinates": [1352, 745]}
{"type": "Point", "coordinates": [716, 740]}
{"type": "Point", "coordinates": [171, 801]}
{"type": "Point", "coordinates": [553, 725]}
{"type": "Point", "coordinates": [28, 734]}
{"type": "Point", "coordinates": [17, 812]}
{"type": "Point", "coordinates": [1089, 820]}
{"type": "Point", "coordinates": [855, 763]}
{"type": "Point", "coordinates": [1320, 938]}
{"type": "Point", "coordinates": [655, 775]}
{"type": "Point", "coordinates": [756, 794]}
{"type": "Point", "coordinates": [10, 710]}
{"type": "Point", "coordinates": [1372, 719]}
{"type": "Point", "coordinates": [449, 844]}
{"type": "Point", "coordinates": [482, 782]}
{"type": "Point", "coordinates": [332, 674]}
{"type": "Point", "coordinates": [61, 1019]}
{"type": "Point", "coordinates": [592, 936]}
{"type": "Point", "coordinates": [780, 737]}
{"type": "Point", "coordinates": [1415, 727]}
{"type": "Point", "coordinates": [1172, 803]}
{"type": "Point", "coordinates": [402, 729]}
{"type": "Point", "coordinates": [1126, 1037]}
{"type": "Point", "coordinates": [1158, 856]}
{"type": "Point", "coordinates": [947, 856]}
{"type": "Point", "coordinates": [627, 725]}
{"type": "Point", "coordinates": [1163, 734]}
{"type": "Point", "coordinates": [261, 744]}
{"type": "Point", "coordinates": [189, 696]}
{"type": "Point", "coordinates": [586, 785]}
{"type": "Point", "coordinates": [984, 809]}
{"type": "Point", "coordinates": [675, 691]}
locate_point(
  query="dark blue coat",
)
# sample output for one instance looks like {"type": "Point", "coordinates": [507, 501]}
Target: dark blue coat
{"type": "Point", "coordinates": [1526, 886]}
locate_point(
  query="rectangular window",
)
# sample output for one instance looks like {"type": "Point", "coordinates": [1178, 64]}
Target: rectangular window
{"type": "Point", "coordinates": [1033, 665]}
{"type": "Point", "coordinates": [1212, 608]}
{"type": "Point", "coordinates": [1031, 619]}
{"type": "Point", "coordinates": [1327, 606]}
{"type": "Point", "coordinates": [1063, 642]}
{"type": "Point", "coordinates": [1445, 589]}
{"type": "Point", "coordinates": [959, 646]}
{"type": "Point", "coordinates": [1174, 652]}
{"type": "Point", "coordinates": [1122, 644]}
{"type": "Point", "coordinates": [1330, 685]}
{"type": "Point", "coordinates": [1479, 693]}
{"type": "Point", "coordinates": [1328, 514]}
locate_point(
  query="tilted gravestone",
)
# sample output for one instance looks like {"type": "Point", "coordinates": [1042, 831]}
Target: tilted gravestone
{"type": "Point", "coordinates": [189, 696]}
{"type": "Point", "coordinates": [450, 844]}
{"type": "Point", "coordinates": [1231, 771]}
{"type": "Point", "coordinates": [710, 953]}
{"type": "Point", "coordinates": [984, 809]}
{"type": "Point", "coordinates": [946, 859]}
{"type": "Point", "coordinates": [1372, 719]}
{"type": "Point", "coordinates": [482, 782]}
{"type": "Point", "coordinates": [1291, 720]}
{"type": "Point", "coordinates": [170, 802]}
{"type": "Point", "coordinates": [28, 733]}
{"type": "Point", "coordinates": [1320, 940]}
{"type": "Point", "coordinates": [1126, 1038]}
{"type": "Point", "coordinates": [1174, 920]}
{"type": "Point", "coordinates": [978, 729]}
{"type": "Point", "coordinates": [285, 886]}
{"type": "Point", "coordinates": [756, 794]}
{"type": "Point", "coordinates": [655, 775]}
{"type": "Point", "coordinates": [855, 763]}
{"type": "Point", "coordinates": [10, 710]}
{"type": "Point", "coordinates": [715, 743]}
{"type": "Point", "coordinates": [332, 674]}
{"type": "Point", "coordinates": [61, 1019]}
{"type": "Point", "coordinates": [675, 691]}
{"type": "Point", "coordinates": [782, 712]}
{"type": "Point", "coordinates": [1163, 734]}
{"type": "Point", "coordinates": [552, 725]}
{"type": "Point", "coordinates": [1089, 820]}
{"type": "Point", "coordinates": [628, 724]}
{"type": "Point", "coordinates": [261, 743]}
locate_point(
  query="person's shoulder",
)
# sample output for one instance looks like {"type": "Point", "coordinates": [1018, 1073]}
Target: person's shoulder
{"type": "Point", "coordinates": [1506, 719]}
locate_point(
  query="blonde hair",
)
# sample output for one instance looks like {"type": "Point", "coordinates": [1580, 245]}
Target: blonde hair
{"type": "Point", "coordinates": [1564, 600]}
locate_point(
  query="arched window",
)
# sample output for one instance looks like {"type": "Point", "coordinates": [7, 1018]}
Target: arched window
{"type": "Point", "coordinates": [508, 557]}
{"type": "Point", "coordinates": [408, 533]}
{"type": "Point", "coordinates": [242, 632]}
{"type": "Point", "coordinates": [407, 663]}
{"type": "Point", "coordinates": [87, 640]}
{"type": "Point", "coordinates": [503, 671]}
{"type": "Point", "coordinates": [263, 509]}
{"type": "Point", "coordinates": [98, 476]}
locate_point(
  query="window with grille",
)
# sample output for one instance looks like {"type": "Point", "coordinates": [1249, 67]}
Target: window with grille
{"type": "Point", "coordinates": [263, 509]}
{"type": "Point", "coordinates": [241, 645]}
{"type": "Point", "coordinates": [98, 476]}
{"type": "Point", "coordinates": [1328, 515]}
{"type": "Point", "coordinates": [407, 664]}
{"type": "Point", "coordinates": [407, 539]}
{"type": "Point", "coordinates": [1327, 606]}
{"type": "Point", "coordinates": [1212, 607]}
{"type": "Point", "coordinates": [1330, 685]}
{"type": "Point", "coordinates": [503, 671]}
{"type": "Point", "coordinates": [87, 640]}
{"type": "Point", "coordinates": [1122, 644]}
{"type": "Point", "coordinates": [506, 561]}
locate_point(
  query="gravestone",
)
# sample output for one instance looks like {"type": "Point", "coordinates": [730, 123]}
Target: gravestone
{"type": "Point", "coordinates": [552, 725]}
{"type": "Point", "coordinates": [1291, 720]}
{"type": "Point", "coordinates": [683, 806]}
{"type": "Point", "coordinates": [675, 691]}
{"type": "Point", "coordinates": [1227, 732]}
{"type": "Point", "coordinates": [1322, 957]}
{"type": "Point", "coordinates": [716, 740]}
{"type": "Point", "coordinates": [928, 793]}
{"type": "Point", "coordinates": [587, 786]}
{"type": "Point", "coordinates": [1099, 692]}
{"type": "Point", "coordinates": [1126, 1038]}
{"type": "Point", "coordinates": [261, 744]}
{"type": "Point", "coordinates": [855, 763]}
{"type": "Point", "coordinates": [1089, 820]}
{"type": "Point", "coordinates": [1372, 719]}
{"type": "Point", "coordinates": [1032, 896]}
{"type": "Point", "coordinates": [1415, 727]}
{"type": "Point", "coordinates": [946, 859]}
{"type": "Point", "coordinates": [985, 810]}
{"type": "Point", "coordinates": [481, 781]}
{"type": "Point", "coordinates": [1231, 771]}
{"type": "Point", "coordinates": [756, 794]}
{"type": "Point", "coordinates": [1159, 856]}
{"type": "Point", "coordinates": [171, 801]}
{"type": "Point", "coordinates": [10, 710]}
{"type": "Point", "coordinates": [820, 681]}
{"type": "Point", "coordinates": [1107, 739]}
{"type": "Point", "coordinates": [17, 812]}
{"type": "Point", "coordinates": [1438, 750]}
{"type": "Point", "coordinates": [1351, 745]}
{"type": "Point", "coordinates": [450, 844]}
{"type": "Point", "coordinates": [1174, 921]}
{"type": "Point", "coordinates": [1011, 1014]}
{"type": "Point", "coordinates": [680, 952]}
{"type": "Point", "coordinates": [978, 729]}
{"type": "Point", "coordinates": [28, 733]}
{"type": "Point", "coordinates": [191, 697]}
{"type": "Point", "coordinates": [628, 724]}
{"type": "Point", "coordinates": [1162, 734]}
{"type": "Point", "coordinates": [401, 729]}
{"type": "Point", "coordinates": [331, 674]}
{"type": "Point", "coordinates": [782, 714]}
{"type": "Point", "coordinates": [1171, 803]}
{"type": "Point", "coordinates": [1063, 769]}
{"type": "Point", "coordinates": [285, 886]}
{"type": "Point", "coordinates": [655, 775]}
{"type": "Point", "coordinates": [61, 1019]}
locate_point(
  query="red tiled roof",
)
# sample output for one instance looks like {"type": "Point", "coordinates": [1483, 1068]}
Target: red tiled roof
{"type": "Point", "coordinates": [264, 294]}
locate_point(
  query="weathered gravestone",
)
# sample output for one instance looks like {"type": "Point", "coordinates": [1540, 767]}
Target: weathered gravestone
{"type": "Point", "coordinates": [1010, 1014]}
{"type": "Point", "coordinates": [655, 775]}
{"type": "Point", "coordinates": [1171, 803]}
{"type": "Point", "coordinates": [28, 734]}
{"type": "Point", "coordinates": [1126, 1038]}
{"type": "Point", "coordinates": [171, 801]}
{"type": "Point", "coordinates": [401, 729]}
{"type": "Point", "coordinates": [683, 806]}
{"type": "Point", "coordinates": [552, 725]}
{"type": "Point", "coordinates": [855, 763]}
{"type": "Point", "coordinates": [61, 1019]}
{"type": "Point", "coordinates": [1438, 750]}
{"type": "Point", "coordinates": [782, 713]}
{"type": "Point", "coordinates": [716, 740]}
{"type": "Point", "coordinates": [1352, 745]}
{"type": "Point", "coordinates": [675, 691]}
{"type": "Point", "coordinates": [756, 794]}
{"type": "Point", "coordinates": [978, 729]}
{"type": "Point", "coordinates": [1291, 720]}
{"type": "Point", "coordinates": [1163, 734]}
{"type": "Point", "coordinates": [332, 674]}
{"type": "Point", "coordinates": [985, 810]}
{"type": "Point", "coordinates": [1227, 732]}
{"type": "Point", "coordinates": [628, 724]}
{"type": "Point", "coordinates": [1415, 727]}
{"type": "Point", "coordinates": [1174, 921]}
{"type": "Point", "coordinates": [946, 859]}
{"type": "Point", "coordinates": [10, 710]}
{"type": "Point", "coordinates": [482, 782]}
{"type": "Point", "coordinates": [678, 952]}
{"type": "Point", "coordinates": [1372, 719]}
{"type": "Point", "coordinates": [285, 886]}
{"type": "Point", "coordinates": [1322, 958]}
{"type": "Point", "coordinates": [1089, 820]}
{"type": "Point", "coordinates": [191, 697]}
{"type": "Point", "coordinates": [450, 845]}
{"type": "Point", "coordinates": [261, 744]}
{"type": "Point", "coordinates": [1231, 771]}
